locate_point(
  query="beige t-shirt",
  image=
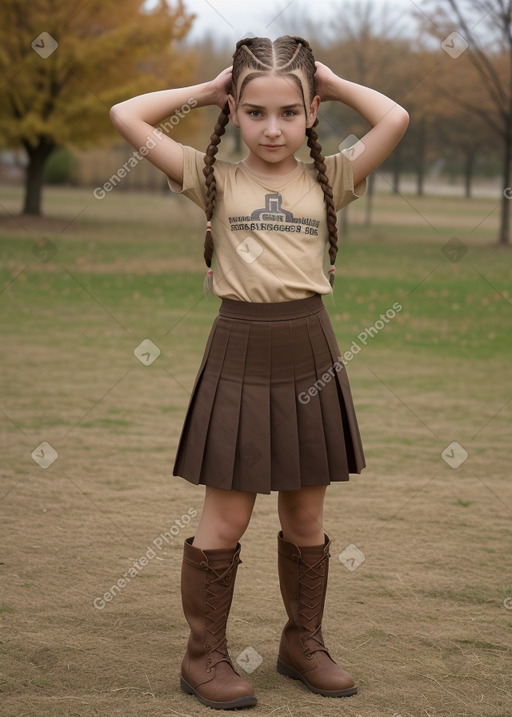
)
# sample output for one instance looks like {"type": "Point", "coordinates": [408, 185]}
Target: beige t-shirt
{"type": "Point", "coordinates": [270, 236]}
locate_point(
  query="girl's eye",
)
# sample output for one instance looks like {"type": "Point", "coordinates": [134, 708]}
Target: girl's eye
{"type": "Point", "coordinates": [290, 113]}
{"type": "Point", "coordinates": [254, 113]}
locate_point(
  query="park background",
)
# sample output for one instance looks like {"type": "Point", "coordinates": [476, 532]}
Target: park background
{"type": "Point", "coordinates": [104, 321]}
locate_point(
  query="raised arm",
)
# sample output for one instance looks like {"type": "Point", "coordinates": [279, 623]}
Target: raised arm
{"type": "Point", "coordinates": [137, 118]}
{"type": "Point", "coordinates": [387, 119]}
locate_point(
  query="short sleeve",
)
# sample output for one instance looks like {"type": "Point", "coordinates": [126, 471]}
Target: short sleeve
{"type": "Point", "coordinates": [339, 172]}
{"type": "Point", "coordinates": [193, 186]}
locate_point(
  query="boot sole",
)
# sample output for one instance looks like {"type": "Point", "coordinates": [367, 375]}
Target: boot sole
{"type": "Point", "coordinates": [240, 703]}
{"type": "Point", "coordinates": [284, 669]}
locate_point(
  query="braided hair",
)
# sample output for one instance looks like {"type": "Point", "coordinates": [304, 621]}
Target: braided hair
{"type": "Point", "coordinates": [284, 55]}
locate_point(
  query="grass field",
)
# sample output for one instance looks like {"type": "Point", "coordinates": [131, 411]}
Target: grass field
{"type": "Point", "coordinates": [424, 622]}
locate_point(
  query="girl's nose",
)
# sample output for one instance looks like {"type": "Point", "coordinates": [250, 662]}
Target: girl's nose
{"type": "Point", "coordinates": [272, 129]}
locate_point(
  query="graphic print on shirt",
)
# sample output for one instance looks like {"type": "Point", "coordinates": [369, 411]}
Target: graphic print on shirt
{"type": "Point", "coordinates": [273, 218]}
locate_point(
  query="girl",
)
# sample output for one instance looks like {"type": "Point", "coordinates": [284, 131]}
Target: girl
{"type": "Point", "coordinates": [271, 408]}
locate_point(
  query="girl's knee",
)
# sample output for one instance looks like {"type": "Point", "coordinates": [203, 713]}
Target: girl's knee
{"type": "Point", "coordinates": [311, 534]}
{"type": "Point", "coordinates": [301, 516]}
{"type": "Point", "coordinates": [227, 515]}
{"type": "Point", "coordinates": [231, 528]}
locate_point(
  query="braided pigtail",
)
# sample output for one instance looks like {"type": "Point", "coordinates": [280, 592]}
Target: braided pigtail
{"type": "Point", "coordinates": [319, 160]}
{"type": "Point", "coordinates": [211, 187]}
{"type": "Point", "coordinates": [243, 57]}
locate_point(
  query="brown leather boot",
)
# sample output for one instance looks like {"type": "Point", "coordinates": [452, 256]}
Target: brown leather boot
{"type": "Point", "coordinates": [207, 583]}
{"type": "Point", "coordinates": [303, 656]}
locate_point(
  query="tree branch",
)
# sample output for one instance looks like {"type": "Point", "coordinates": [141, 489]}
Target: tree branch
{"type": "Point", "coordinates": [491, 74]}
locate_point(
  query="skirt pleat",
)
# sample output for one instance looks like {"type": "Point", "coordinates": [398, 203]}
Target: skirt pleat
{"type": "Point", "coordinates": [313, 454]}
{"type": "Point", "coordinates": [271, 407]}
{"type": "Point", "coordinates": [351, 434]}
{"type": "Point", "coordinates": [327, 400]}
{"type": "Point", "coordinates": [285, 448]}
{"type": "Point", "coordinates": [220, 452]}
{"type": "Point", "coordinates": [252, 463]}
{"type": "Point", "coordinates": [192, 444]}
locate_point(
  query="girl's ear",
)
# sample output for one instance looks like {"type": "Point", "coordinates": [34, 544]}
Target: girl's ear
{"type": "Point", "coordinates": [313, 111]}
{"type": "Point", "coordinates": [233, 115]}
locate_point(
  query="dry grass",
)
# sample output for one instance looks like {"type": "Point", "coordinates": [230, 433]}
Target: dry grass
{"type": "Point", "coordinates": [421, 623]}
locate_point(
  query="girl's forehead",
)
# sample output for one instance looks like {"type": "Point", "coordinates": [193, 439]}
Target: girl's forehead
{"type": "Point", "coordinates": [273, 86]}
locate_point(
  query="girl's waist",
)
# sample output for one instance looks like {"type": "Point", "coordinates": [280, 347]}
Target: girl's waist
{"type": "Point", "coordinates": [271, 311]}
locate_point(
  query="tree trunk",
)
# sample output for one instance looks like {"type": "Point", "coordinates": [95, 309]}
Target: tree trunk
{"type": "Point", "coordinates": [504, 233]}
{"type": "Point", "coordinates": [420, 178]}
{"type": "Point", "coordinates": [343, 224]}
{"type": "Point", "coordinates": [34, 174]}
{"type": "Point", "coordinates": [369, 199]}
{"type": "Point", "coordinates": [397, 167]}
{"type": "Point", "coordinates": [420, 163]}
{"type": "Point", "coordinates": [468, 172]}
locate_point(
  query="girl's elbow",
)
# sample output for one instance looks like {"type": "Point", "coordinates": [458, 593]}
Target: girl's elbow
{"type": "Point", "coordinates": [400, 122]}
{"type": "Point", "coordinates": [119, 117]}
{"type": "Point", "coordinates": [404, 118]}
{"type": "Point", "coordinates": [114, 114]}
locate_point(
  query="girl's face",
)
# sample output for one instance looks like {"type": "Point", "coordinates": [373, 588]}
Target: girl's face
{"type": "Point", "coordinates": [273, 121]}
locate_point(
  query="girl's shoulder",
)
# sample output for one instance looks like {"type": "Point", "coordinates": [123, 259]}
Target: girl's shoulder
{"type": "Point", "coordinates": [334, 162]}
{"type": "Point", "coordinates": [338, 169]}
{"type": "Point", "coordinates": [197, 157]}
{"type": "Point", "coordinates": [194, 181]}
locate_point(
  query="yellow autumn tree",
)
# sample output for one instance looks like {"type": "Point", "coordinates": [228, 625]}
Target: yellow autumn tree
{"type": "Point", "coordinates": [65, 62]}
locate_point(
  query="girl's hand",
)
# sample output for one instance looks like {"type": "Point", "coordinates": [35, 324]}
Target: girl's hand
{"type": "Point", "coordinates": [220, 87]}
{"type": "Point", "coordinates": [324, 77]}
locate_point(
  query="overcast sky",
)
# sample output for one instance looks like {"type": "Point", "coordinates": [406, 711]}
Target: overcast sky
{"type": "Point", "coordinates": [234, 19]}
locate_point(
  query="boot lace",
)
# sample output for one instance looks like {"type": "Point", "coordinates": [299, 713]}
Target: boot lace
{"type": "Point", "coordinates": [218, 602]}
{"type": "Point", "coordinates": [311, 596]}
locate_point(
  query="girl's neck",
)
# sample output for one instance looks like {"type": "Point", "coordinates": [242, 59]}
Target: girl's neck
{"type": "Point", "coordinates": [267, 170]}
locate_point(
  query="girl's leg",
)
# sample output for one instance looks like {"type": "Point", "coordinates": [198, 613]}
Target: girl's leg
{"type": "Point", "coordinates": [225, 517]}
{"type": "Point", "coordinates": [303, 563]}
{"type": "Point", "coordinates": [301, 514]}
{"type": "Point", "coordinates": [208, 576]}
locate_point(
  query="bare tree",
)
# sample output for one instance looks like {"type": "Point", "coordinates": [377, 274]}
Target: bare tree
{"type": "Point", "coordinates": [483, 30]}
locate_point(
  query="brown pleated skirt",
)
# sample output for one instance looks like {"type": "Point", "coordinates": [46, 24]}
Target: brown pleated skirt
{"type": "Point", "coordinates": [271, 407]}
